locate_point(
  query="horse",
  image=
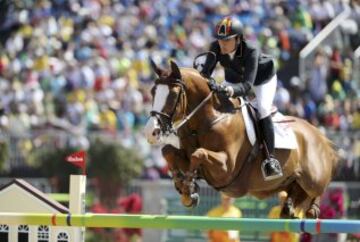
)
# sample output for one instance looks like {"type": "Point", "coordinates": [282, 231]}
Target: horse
{"type": "Point", "coordinates": [213, 146]}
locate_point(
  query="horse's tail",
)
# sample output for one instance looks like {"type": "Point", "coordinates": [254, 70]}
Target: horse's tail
{"type": "Point", "coordinates": [332, 150]}
{"type": "Point", "coordinates": [336, 163]}
{"type": "Point", "coordinates": [327, 148]}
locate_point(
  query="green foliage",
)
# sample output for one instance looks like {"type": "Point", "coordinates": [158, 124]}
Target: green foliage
{"type": "Point", "coordinates": [96, 236]}
{"type": "Point", "coordinates": [112, 162]}
{"type": "Point", "coordinates": [107, 161]}
{"type": "Point", "coordinates": [4, 153]}
{"type": "Point", "coordinates": [51, 162]}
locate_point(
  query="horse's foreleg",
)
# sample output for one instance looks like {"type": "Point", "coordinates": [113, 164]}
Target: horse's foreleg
{"type": "Point", "coordinates": [205, 157]}
{"type": "Point", "coordinates": [178, 165]}
{"type": "Point", "coordinates": [200, 157]}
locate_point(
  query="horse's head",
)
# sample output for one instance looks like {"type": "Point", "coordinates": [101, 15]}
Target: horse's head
{"type": "Point", "coordinates": [168, 93]}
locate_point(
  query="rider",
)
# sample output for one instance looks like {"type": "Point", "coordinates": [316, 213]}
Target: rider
{"type": "Point", "coordinates": [246, 67]}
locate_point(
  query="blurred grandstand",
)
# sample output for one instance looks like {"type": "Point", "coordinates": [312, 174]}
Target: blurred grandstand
{"type": "Point", "coordinates": [82, 67]}
{"type": "Point", "coordinates": [73, 71]}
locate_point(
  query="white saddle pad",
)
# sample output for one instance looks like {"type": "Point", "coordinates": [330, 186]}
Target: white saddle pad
{"type": "Point", "coordinates": [284, 136]}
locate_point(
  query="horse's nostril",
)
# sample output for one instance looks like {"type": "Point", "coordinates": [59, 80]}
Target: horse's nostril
{"type": "Point", "coordinates": [156, 132]}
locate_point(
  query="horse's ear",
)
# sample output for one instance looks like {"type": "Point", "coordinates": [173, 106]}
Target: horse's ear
{"type": "Point", "coordinates": [175, 71]}
{"type": "Point", "coordinates": [155, 68]}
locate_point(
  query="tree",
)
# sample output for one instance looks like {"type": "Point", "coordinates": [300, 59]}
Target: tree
{"type": "Point", "coordinates": [110, 164]}
{"type": "Point", "coordinates": [51, 163]}
{"type": "Point", "coordinates": [4, 153]}
{"type": "Point", "coordinates": [114, 166]}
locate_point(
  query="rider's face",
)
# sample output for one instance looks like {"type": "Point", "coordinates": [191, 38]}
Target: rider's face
{"type": "Point", "coordinates": [227, 45]}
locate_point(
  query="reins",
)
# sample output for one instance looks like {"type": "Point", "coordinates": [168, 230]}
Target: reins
{"type": "Point", "coordinates": [192, 113]}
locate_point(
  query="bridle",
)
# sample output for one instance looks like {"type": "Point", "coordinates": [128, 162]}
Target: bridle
{"type": "Point", "coordinates": [166, 120]}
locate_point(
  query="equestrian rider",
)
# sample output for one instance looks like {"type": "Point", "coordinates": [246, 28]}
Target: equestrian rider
{"type": "Point", "coordinates": [246, 67]}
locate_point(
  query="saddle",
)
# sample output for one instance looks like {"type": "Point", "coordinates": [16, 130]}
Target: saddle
{"type": "Point", "coordinates": [284, 135]}
{"type": "Point", "coordinates": [253, 113]}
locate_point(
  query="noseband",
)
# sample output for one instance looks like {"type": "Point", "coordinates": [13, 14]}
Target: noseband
{"type": "Point", "coordinates": [165, 121]}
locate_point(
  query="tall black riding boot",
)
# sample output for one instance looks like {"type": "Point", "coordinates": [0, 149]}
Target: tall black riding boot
{"type": "Point", "coordinates": [270, 167]}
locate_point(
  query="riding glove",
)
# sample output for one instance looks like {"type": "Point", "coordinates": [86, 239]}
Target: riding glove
{"type": "Point", "coordinates": [241, 89]}
{"type": "Point", "coordinates": [238, 90]}
{"type": "Point", "coordinates": [220, 89]}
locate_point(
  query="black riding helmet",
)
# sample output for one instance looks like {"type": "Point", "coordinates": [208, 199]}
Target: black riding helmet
{"type": "Point", "coordinates": [228, 27]}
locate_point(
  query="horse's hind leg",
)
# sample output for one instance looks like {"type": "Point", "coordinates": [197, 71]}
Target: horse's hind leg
{"type": "Point", "coordinates": [314, 209]}
{"type": "Point", "coordinates": [301, 202]}
{"type": "Point", "coordinates": [296, 196]}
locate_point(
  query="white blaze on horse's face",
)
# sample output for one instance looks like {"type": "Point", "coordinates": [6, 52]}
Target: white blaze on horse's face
{"type": "Point", "coordinates": [160, 96]}
{"type": "Point", "coordinates": [152, 127]}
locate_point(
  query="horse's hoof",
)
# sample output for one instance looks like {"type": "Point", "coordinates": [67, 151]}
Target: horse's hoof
{"type": "Point", "coordinates": [186, 200]}
{"type": "Point", "coordinates": [312, 213]}
{"type": "Point", "coordinates": [190, 201]}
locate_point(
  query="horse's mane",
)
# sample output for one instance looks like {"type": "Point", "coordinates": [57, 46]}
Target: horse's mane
{"type": "Point", "coordinates": [189, 70]}
{"type": "Point", "coordinates": [192, 74]}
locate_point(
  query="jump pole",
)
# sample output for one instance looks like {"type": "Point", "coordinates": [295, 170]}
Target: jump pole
{"type": "Point", "coordinates": [182, 222]}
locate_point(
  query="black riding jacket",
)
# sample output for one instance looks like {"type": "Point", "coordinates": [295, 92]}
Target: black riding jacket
{"type": "Point", "coordinates": [248, 67]}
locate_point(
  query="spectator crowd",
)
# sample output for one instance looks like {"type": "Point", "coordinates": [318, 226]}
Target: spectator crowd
{"type": "Point", "coordinates": [82, 65]}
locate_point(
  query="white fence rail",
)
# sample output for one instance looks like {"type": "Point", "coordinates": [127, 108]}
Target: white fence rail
{"type": "Point", "coordinates": [330, 35]}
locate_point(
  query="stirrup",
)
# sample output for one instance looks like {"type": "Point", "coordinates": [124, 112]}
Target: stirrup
{"type": "Point", "coordinates": [275, 166]}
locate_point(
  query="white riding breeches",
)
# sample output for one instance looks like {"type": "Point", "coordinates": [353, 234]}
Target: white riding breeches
{"type": "Point", "coordinates": [265, 95]}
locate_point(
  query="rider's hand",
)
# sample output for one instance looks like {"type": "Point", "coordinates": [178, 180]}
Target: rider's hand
{"type": "Point", "coordinates": [221, 89]}
{"type": "Point", "coordinates": [212, 84]}
{"type": "Point", "coordinates": [226, 91]}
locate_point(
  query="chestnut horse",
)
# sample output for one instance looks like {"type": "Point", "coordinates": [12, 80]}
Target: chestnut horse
{"type": "Point", "coordinates": [214, 146]}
